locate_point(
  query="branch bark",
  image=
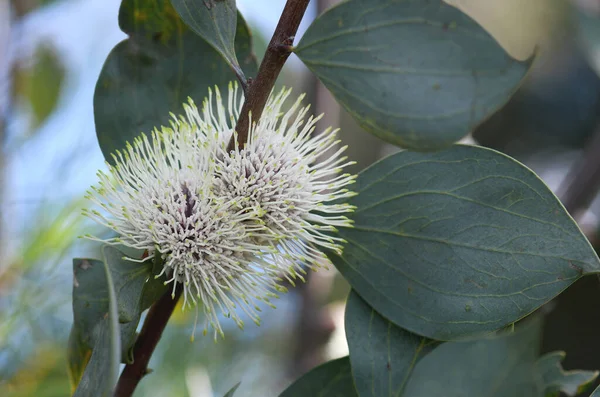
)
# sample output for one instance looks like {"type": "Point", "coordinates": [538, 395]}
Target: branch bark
{"type": "Point", "coordinates": [278, 51]}
{"type": "Point", "coordinates": [146, 342]}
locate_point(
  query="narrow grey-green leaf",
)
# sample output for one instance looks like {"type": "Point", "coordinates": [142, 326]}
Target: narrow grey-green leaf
{"type": "Point", "coordinates": [155, 286]}
{"type": "Point", "coordinates": [215, 21]}
{"type": "Point", "coordinates": [418, 74]}
{"type": "Point", "coordinates": [102, 371]}
{"type": "Point", "coordinates": [135, 288]}
{"type": "Point", "coordinates": [332, 379]}
{"type": "Point", "coordinates": [155, 70]}
{"type": "Point", "coordinates": [130, 281]}
{"type": "Point", "coordinates": [231, 392]}
{"type": "Point", "coordinates": [596, 392]}
{"type": "Point", "coordinates": [382, 355]}
{"type": "Point", "coordinates": [556, 380]}
{"type": "Point", "coordinates": [501, 366]}
{"type": "Point", "coordinates": [93, 294]}
{"type": "Point", "coordinates": [90, 297]}
{"type": "Point", "coordinates": [459, 242]}
{"type": "Point", "coordinates": [78, 355]}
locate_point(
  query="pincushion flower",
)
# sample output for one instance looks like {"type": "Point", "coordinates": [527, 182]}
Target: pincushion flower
{"type": "Point", "coordinates": [229, 226]}
{"type": "Point", "coordinates": [158, 197]}
{"type": "Point", "coordinates": [288, 178]}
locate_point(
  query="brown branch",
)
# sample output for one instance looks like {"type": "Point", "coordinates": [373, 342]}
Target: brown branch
{"type": "Point", "coordinates": [278, 51]}
{"type": "Point", "coordinates": [146, 342]}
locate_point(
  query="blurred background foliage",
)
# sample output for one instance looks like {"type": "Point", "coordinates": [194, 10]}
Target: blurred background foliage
{"type": "Point", "coordinates": [52, 52]}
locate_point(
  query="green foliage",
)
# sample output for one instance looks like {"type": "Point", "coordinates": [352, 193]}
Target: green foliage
{"type": "Point", "coordinates": [32, 363]}
{"type": "Point", "coordinates": [418, 74]}
{"type": "Point", "coordinates": [460, 242]}
{"type": "Point", "coordinates": [389, 361]}
{"type": "Point", "coordinates": [332, 379]}
{"type": "Point", "coordinates": [102, 371]}
{"type": "Point", "coordinates": [155, 287]}
{"type": "Point", "coordinates": [136, 290]}
{"type": "Point", "coordinates": [215, 21]}
{"type": "Point", "coordinates": [129, 281]}
{"type": "Point", "coordinates": [382, 355]}
{"type": "Point", "coordinates": [556, 380]}
{"type": "Point", "coordinates": [78, 355]}
{"type": "Point", "coordinates": [131, 289]}
{"type": "Point", "coordinates": [155, 70]}
{"type": "Point", "coordinates": [54, 235]}
{"type": "Point", "coordinates": [154, 20]}
{"type": "Point", "coordinates": [95, 328]}
{"type": "Point", "coordinates": [40, 85]}
{"type": "Point", "coordinates": [43, 375]}
{"type": "Point", "coordinates": [231, 392]}
{"type": "Point", "coordinates": [501, 366]}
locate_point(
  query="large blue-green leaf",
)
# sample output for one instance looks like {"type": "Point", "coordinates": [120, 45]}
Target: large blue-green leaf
{"type": "Point", "coordinates": [215, 21]}
{"type": "Point", "coordinates": [500, 366]}
{"type": "Point", "coordinates": [382, 355]}
{"type": "Point", "coordinates": [332, 379]}
{"type": "Point", "coordinates": [418, 74]}
{"type": "Point", "coordinates": [459, 243]}
{"type": "Point", "coordinates": [389, 361]}
{"type": "Point", "coordinates": [556, 380]}
{"type": "Point", "coordinates": [96, 327]}
{"type": "Point", "coordinates": [155, 70]}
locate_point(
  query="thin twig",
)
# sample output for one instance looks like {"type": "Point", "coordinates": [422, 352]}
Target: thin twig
{"type": "Point", "coordinates": [239, 73]}
{"type": "Point", "coordinates": [146, 342]}
{"type": "Point", "coordinates": [278, 51]}
{"type": "Point", "coordinates": [583, 180]}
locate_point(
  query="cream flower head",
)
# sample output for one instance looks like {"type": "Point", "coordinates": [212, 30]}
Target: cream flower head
{"type": "Point", "coordinates": [229, 226]}
{"type": "Point", "coordinates": [288, 178]}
